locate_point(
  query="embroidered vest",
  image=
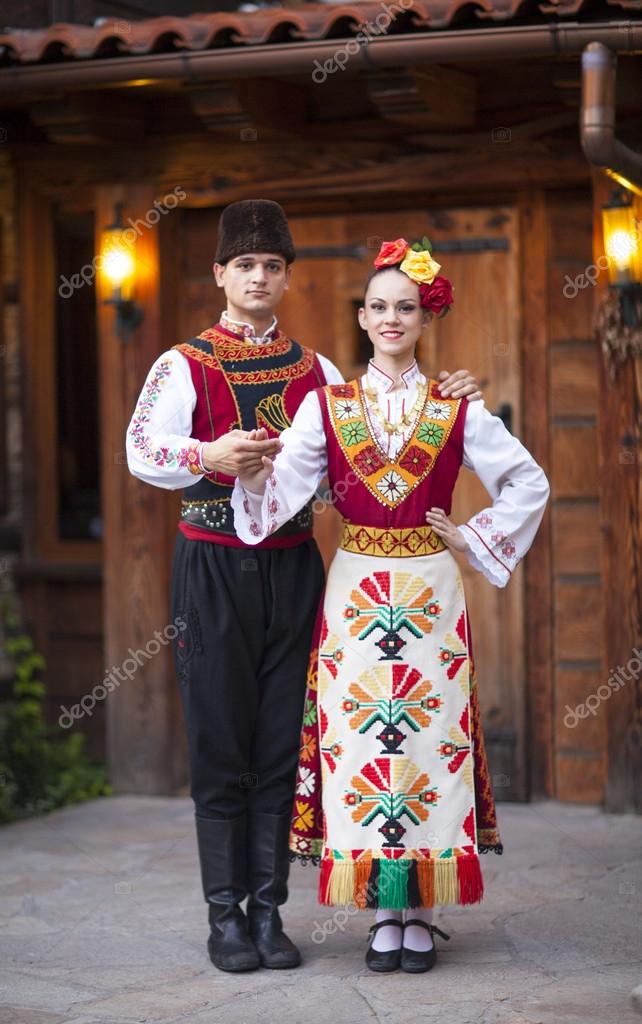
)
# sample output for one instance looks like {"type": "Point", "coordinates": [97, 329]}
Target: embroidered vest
{"type": "Point", "coordinates": [370, 489]}
{"type": "Point", "coordinates": [243, 386]}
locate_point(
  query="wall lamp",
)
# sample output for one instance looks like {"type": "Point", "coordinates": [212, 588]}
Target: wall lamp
{"type": "Point", "coordinates": [119, 268]}
{"type": "Point", "coordinates": [623, 246]}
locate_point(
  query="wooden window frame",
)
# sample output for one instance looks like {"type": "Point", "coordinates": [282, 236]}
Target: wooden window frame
{"type": "Point", "coordinates": [38, 367]}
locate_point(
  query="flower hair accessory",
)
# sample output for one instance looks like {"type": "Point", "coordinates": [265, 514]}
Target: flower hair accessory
{"type": "Point", "coordinates": [435, 291]}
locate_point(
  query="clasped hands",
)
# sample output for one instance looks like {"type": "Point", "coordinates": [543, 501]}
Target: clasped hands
{"type": "Point", "coordinates": [247, 454]}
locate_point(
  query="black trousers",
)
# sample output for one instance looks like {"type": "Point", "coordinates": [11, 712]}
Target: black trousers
{"type": "Point", "coordinates": [242, 664]}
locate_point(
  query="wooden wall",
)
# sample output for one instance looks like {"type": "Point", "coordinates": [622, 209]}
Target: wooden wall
{"type": "Point", "coordinates": [564, 637]}
{"type": "Point", "coordinates": [577, 592]}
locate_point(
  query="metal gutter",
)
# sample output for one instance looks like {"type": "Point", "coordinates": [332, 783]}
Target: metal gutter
{"type": "Point", "coordinates": [503, 43]}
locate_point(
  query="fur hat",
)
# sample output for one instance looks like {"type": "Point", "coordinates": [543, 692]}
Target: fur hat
{"type": "Point", "coordinates": [253, 225]}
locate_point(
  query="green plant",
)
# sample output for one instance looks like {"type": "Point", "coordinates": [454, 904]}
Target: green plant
{"type": "Point", "coordinates": [39, 771]}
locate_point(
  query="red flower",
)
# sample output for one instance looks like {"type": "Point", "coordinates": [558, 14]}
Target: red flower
{"type": "Point", "coordinates": [368, 460]}
{"type": "Point", "coordinates": [391, 253]}
{"type": "Point", "coordinates": [342, 390]}
{"type": "Point", "coordinates": [415, 460]}
{"type": "Point", "coordinates": [438, 296]}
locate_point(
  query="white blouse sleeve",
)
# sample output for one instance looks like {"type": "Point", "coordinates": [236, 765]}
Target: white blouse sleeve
{"type": "Point", "coordinates": [332, 375]}
{"type": "Point", "coordinates": [298, 469]}
{"type": "Point", "coordinates": [159, 447]}
{"type": "Point", "coordinates": [500, 536]}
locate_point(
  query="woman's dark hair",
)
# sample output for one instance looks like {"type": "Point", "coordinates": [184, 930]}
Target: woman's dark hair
{"type": "Point", "coordinates": [375, 273]}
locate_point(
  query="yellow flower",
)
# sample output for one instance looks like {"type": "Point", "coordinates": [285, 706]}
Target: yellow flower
{"type": "Point", "coordinates": [420, 266]}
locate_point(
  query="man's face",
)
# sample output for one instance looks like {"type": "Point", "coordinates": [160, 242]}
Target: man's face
{"type": "Point", "coordinates": [255, 282]}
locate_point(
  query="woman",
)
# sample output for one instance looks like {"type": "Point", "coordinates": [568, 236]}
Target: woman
{"type": "Point", "coordinates": [393, 792]}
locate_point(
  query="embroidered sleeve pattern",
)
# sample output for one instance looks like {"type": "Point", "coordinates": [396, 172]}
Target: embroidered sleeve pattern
{"type": "Point", "coordinates": [490, 554]}
{"type": "Point", "coordinates": [159, 448]}
{"type": "Point", "coordinates": [499, 536]}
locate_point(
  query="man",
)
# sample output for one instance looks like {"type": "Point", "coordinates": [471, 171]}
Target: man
{"type": "Point", "coordinates": [250, 610]}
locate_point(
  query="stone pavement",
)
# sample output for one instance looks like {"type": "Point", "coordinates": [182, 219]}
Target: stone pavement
{"type": "Point", "coordinates": [103, 923]}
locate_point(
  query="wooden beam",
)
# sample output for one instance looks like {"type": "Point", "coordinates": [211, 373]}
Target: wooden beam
{"type": "Point", "coordinates": [144, 722]}
{"type": "Point", "coordinates": [216, 173]}
{"type": "Point", "coordinates": [87, 118]}
{"type": "Point", "coordinates": [424, 97]}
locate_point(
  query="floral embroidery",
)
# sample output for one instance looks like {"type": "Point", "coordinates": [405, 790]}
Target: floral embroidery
{"type": "Point", "coordinates": [498, 537]}
{"type": "Point", "coordinates": [390, 479]}
{"type": "Point", "coordinates": [180, 458]}
{"type": "Point", "coordinates": [484, 520]}
{"type": "Point", "coordinates": [306, 783]}
{"type": "Point", "coordinates": [346, 410]}
{"type": "Point", "coordinates": [416, 460]}
{"type": "Point", "coordinates": [354, 433]}
{"type": "Point", "coordinates": [368, 460]}
{"type": "Point", "coordinates": [304, 816]}
{"type": "Point", "coordinates": [430, 433]}
{"type": "Point", "coordinates": [438, 410]}
{"type": "Point", "coordinates": [247, 330]}
{"type": "Point", "coordinates": [308, 747]}
{"type": "Point", "coordinates": [392, 486]}
{"type": "Point", "coordinates": [508, 549]}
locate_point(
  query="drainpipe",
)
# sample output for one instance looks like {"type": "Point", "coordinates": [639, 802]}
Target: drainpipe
{"type": "Point", "coordinates": [597, 120]}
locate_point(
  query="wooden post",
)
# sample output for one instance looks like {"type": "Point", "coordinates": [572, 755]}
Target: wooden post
{"type": "Point", "coordinates": [539, 598]}
{"type": "Point", "coordinates": [145, 745]}
{"type": "Point", "coordinates": [619, 428]}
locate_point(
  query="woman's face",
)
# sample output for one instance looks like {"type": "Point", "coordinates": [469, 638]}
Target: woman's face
{"type": "Point", "coordinates": [392, 316]}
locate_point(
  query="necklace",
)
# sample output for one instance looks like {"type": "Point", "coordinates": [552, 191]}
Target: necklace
{"type": "Point", "coordinates": [405, 419]}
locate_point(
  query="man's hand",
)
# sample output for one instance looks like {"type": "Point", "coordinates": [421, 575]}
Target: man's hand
{"type": "Point", "coordinates": [460, 384]}
{"type": "Point", "coordinates": [239, 450]}
{"type": "Point", "coordinates": [254, 478]}
{"type": "Point", "coordinates": [444, 528]}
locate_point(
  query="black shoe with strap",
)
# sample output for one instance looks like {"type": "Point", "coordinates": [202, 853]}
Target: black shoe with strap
{"type": "Point", "coordinates": [379, 960]}
{"type": "Point", "coordinates": [416, 961]}
{"type": "Point", "coordinates": [268, 869]}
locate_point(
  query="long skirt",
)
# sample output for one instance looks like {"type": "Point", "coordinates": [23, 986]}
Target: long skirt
{"type": "Point", "coordinates": [392, 771]}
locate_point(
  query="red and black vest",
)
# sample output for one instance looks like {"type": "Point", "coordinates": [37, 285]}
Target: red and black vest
{"type": "Point", "coordinates": [241, 385]}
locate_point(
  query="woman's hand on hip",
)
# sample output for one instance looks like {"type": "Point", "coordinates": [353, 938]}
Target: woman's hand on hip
{"type": "Point", "coordinates": [444, 528]}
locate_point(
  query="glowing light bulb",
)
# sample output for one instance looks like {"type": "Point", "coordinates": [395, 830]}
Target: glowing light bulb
{"type": "Point", "coordinates": [620, 248]}
{"type": "Point", "coordinates": [118, 266]}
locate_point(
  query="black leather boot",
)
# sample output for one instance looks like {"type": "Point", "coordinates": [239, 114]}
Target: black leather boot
{"type": "Point", "coordinates": [269, 866]}
{"type": "Point", "coordinates": [222, 847]}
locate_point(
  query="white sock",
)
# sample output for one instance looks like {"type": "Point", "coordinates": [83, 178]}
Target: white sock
{"type": "Point", "coordinates": [414, 936]}
{"type": "Point", "coordinates": [387, 938]}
